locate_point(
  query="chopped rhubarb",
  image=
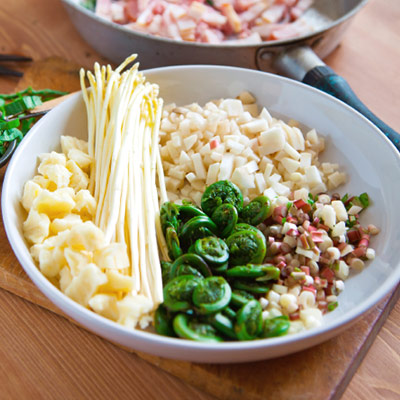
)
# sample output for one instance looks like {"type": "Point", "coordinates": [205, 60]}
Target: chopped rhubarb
{"type": "Point", "coordinates": [300, 203]}
{"type": "Point", "coordinates": [214, 144]}
{"type": "Point", "coordinates": [294, 316]}
{"type": "Point", "coordinates": [328, 274]}
{"type": "Point", "coordinates": [310, 289]}
{"type": "Point", "coordinates": [317, 237]}
{"type": "Point", "coordinates": [353, 235]}
{"type": "Point", "coordinates": [305, 269]}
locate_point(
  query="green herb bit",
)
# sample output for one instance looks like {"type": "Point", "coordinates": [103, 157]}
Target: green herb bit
{"type": "Point", "coordinates": [47, 94]}
{"type": "Point", "coordinates": [26, 124]}
{"type": "Point", "coordinates": [351, 221]}
{"type": "Point", "coordinates": [332, 306]}
{"type": "Point", "coordinates": [10, 135]}
{"type": "Point", "coordinates": [22, 105]}
{"type": "Point", "coordinates": [9, 124]}
{"type": "Point", "coordinates": [89, 4]}
{"type": "Point", "coordinates": [345, 198]}
{"type": "Point", "coordinates": [364, 199]}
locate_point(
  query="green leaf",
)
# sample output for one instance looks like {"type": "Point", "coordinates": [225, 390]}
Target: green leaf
{"type": "Point", "coordinates": [11, 134]}
{"type": "Point", "coordinates": [21, 105]}
{"type": "Point", "coordinates": [332, 306]}
{"type": "Point", "coordinates": [345, 198]}
{"type": "Point", "coordinates": [9, 124]}
{"type": "Point", "coordinates": [47, 93]}
{"type": "Point", "coordinates": [364, 199]}
{"type": "Point", "coordinates": [26, 125]}
{"type": "Point", "coordinates": [89, 4]}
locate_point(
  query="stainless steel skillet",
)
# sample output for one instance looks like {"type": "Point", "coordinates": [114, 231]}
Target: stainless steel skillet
{"type": "Point", "coordinates": [299, 58]}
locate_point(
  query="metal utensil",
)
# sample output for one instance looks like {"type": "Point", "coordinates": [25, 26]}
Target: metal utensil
{"type": "Point", "coordinates": [13, 144]}
{"type": "Point", "coordinates": [37, 112]}
{"type": "Point", "coordinates": [299, 58]}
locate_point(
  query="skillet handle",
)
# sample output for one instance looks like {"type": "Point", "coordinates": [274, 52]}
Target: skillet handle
{"type": "Point", "coordinates": [325, 78]}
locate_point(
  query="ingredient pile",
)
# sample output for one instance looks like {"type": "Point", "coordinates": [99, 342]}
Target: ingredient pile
{"type": "Point", "coordinates": [209, 21]}
{"type": "Point", "coordinates": [208, 223]}
{"type": "Point", "coordinates": [256, 271]}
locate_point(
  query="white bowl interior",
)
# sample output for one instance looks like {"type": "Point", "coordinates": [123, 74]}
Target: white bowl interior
{"type": "Point", "coordinates": [371, 162]}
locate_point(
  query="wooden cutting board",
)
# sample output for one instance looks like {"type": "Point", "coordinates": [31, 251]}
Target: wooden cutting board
{"type": "Point", "coordinates": [321, 372]}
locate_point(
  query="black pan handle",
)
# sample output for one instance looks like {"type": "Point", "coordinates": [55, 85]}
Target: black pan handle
{"type": "Point", "coordinates": [325, 78]}
{"type": "Point", "coordinates": [301, 63]}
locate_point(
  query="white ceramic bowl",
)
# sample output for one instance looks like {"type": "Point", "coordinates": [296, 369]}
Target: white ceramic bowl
{"type": "Point", "coordinates": [372, 163]}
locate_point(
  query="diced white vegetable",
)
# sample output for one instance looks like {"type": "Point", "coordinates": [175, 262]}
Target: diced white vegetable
{"type": "Point", "coordinates": [301, 194]}
{"type": "Point", "coordinates": [212, 173]}
{"type": "Point", "coordinates": [246, 97]}
{"type": "Point", "coordinates": [336, 179]}
{"type": "Point", "coordinates": [243, 179]}
{"type": "Point", "coordinates": [281, 189]}
{"type": "Point", "coordinates": [251, 167]}
{"type": "Point", "coordinates": [339, 229]}
{"type": "Point", "coordinates": [244, 118]}
{"type": "Point", "coordinates": [354, 210]}
{"type": "Point", "coordinates": [328, 215]}
{"type": "Point", "coordinates": [266, 115]}
{"type": "Point", "coordinates": [226, 167]}
{"type": "Point", "coordinates": [290, 165]}
{"type": "Point", "coordinates": [370, 253]}
{"type": "Point", "coordinates": [260, 182]}
{"type": "Point", "coordinates": [279, 289]}
{"type": "Point", "coordinates": [198, 166]}
{"type": "Point", "coordinates": [312, 137]}
{"type": "Point", "coordinates": [340, 210]}
{"type": "Point", "coordinates": [190, 141]}
{"type": "Point", "coordinates": [272, 141]}
{"type": "Point", "coordinates": [307, 253]}
{"type": "Point", "coordinates": [270, 193]}
{"type": "Point", "coordinates": [312, 175]}
{"type": "Point", "coordinates": [311, 317]}
{"type": "Point", "coordinates": [342, 272]}
{"type": "Point", "coordinates": [333, 252]}
{"type": "Point", "coordinates": [288, 149]}
{"type": "Point", "coordinates": [233, 107]}
{"type": "Point", "coordinates": [305, 160]}
{"type": "Point", "coordinates": [296, 139]}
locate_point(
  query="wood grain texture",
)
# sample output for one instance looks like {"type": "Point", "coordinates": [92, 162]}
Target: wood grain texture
{"type": "Point", "coordinates": [72, 364]}
{"type": "Point", "coordinates": [369, 58]}
{"type": "Point", "coordinates": [378, 375]}
{"type": "Point", "coordinates": [44, 356]}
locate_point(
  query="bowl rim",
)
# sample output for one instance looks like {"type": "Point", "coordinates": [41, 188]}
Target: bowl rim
{"type": "Point", "coordinates": [275, 43]}
{"type": "Point", "coordinates": [80, 313]}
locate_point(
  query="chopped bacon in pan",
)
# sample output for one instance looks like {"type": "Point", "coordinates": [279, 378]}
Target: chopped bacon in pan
{"type": "Point", "coordinates": [211, 21]}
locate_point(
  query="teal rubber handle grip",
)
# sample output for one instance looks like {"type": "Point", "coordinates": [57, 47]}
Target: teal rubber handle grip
{"type": "Point", "coordinates": [326, 79]}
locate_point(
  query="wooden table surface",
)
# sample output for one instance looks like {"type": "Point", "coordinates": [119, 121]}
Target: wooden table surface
{"type": "Point", "coordinates": [41, 353]}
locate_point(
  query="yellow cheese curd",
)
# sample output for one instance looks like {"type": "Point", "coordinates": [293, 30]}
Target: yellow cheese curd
{"type": "Point", "coordinates": [70, 250]}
